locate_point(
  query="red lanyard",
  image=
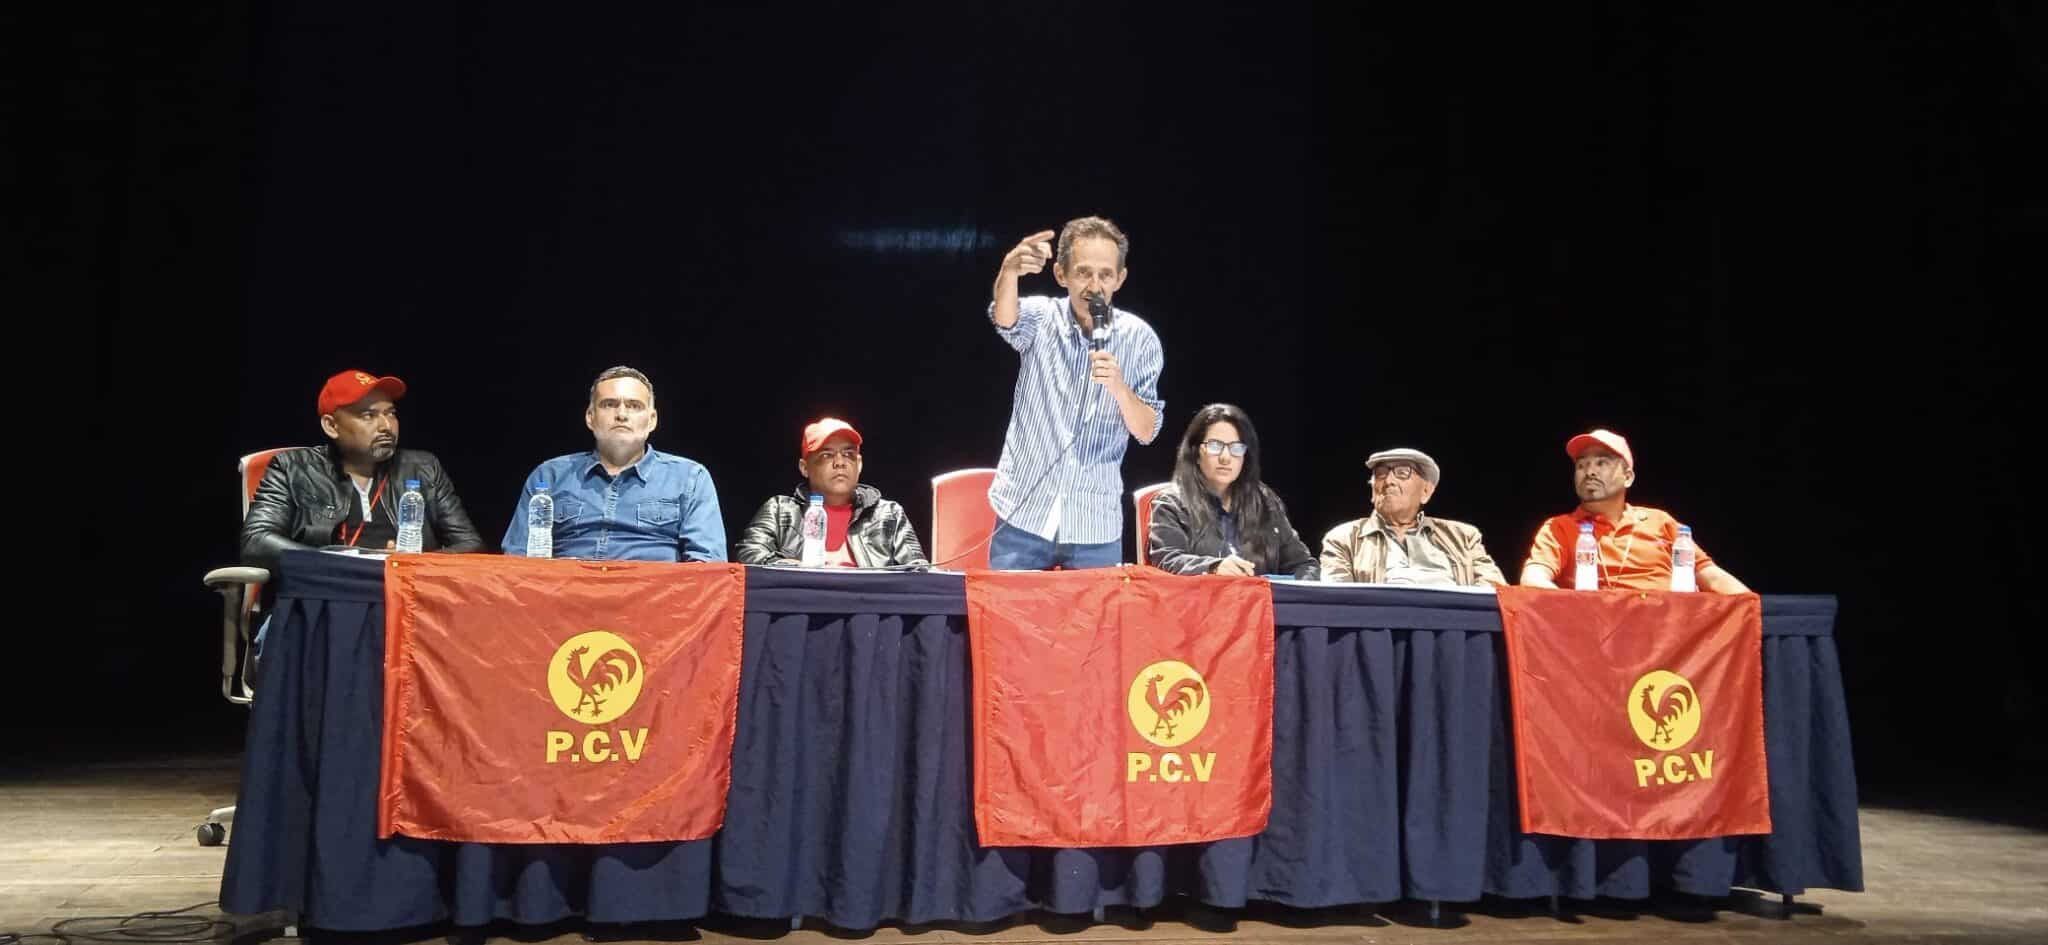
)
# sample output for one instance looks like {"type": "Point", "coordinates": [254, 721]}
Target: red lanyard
{"type": "Point", "coordinates": [374, 496]}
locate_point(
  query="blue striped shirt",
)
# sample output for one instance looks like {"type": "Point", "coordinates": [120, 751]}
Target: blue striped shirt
{"type": "Point", "coordinates": [1078, 493]}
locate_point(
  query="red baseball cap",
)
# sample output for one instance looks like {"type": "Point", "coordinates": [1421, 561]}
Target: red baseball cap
{"type": "Point", "coordinates": [817, 433]}
{"type": "Point", "coordinates": [348, 387]}
{"type": "Point", "coordinates": [1607, 438]}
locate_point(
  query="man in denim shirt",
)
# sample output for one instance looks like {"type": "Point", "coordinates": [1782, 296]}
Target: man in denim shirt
{"type": "Point", "coordinates": [625, 500]}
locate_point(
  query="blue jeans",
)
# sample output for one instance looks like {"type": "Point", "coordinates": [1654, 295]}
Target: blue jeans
{"type": "Point", "coordinates": [1014, 549]}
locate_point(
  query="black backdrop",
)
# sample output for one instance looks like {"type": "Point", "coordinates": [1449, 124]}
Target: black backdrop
{"type": "Point", "coordinates": [1793, 255]}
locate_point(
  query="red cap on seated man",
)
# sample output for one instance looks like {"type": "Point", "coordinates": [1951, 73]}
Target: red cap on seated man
{"type": "Point", "coordinates": [862, 529]}
{"type": "Point", "coordinates": [346, 492]}
{"type": "Point", "coordinates": [1635, 540]}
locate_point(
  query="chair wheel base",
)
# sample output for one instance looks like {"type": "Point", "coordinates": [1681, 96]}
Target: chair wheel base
{"type": "Point", "coordinates": [210, 834]}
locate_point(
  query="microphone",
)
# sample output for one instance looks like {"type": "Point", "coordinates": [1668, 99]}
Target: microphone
{"type": "Point", "coordinates": [1100, 312]}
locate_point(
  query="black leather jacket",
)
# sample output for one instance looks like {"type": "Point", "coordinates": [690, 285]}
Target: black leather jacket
{"type": "Point", "coordinates": [305, 494]}
{"type": "Point", "coordinates": [879, 534]}
{"type": "Point", "coordinates": [1170, 548]}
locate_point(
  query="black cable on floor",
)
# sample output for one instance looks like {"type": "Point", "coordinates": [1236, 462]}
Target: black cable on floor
{"type": "Point", "coordinates": [164, 927]}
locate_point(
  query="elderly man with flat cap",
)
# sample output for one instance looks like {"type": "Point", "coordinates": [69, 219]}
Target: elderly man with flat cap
{"type": "Point", "coordinates": [1397, 544]}
{"type": "Point", "coordinates": [1635, 540]}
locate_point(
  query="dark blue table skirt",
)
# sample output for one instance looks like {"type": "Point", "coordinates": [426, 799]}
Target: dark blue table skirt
{"type": "Point", "coordinates": [852, 799]}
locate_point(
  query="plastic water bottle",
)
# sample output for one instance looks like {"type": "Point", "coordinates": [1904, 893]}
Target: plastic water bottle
{"type": "Point", "coordinates": [1586, 560]}
{"type": "Point", "coordinates": [412, 519]}
{"type": "Point", "coordinates": [814, 533]}
{"type": "Point", "coordinates": [540, 522]}
{"type": "Point", "coordinates": [1682, 576]}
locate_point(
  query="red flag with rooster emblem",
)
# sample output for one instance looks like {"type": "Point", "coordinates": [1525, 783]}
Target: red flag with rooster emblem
{"type": "Point", "coordinates": [1120, 707]}
{"type": "Point", "coordinates": [1637, 714]}
{"type": "Point", "coordinates": [539, 701]}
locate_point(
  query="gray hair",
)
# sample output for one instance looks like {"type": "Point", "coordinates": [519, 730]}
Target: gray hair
{"type": "Point", "coordinates": [614, 373]}
{"type": "Point", "coordinates": [1087, 227]}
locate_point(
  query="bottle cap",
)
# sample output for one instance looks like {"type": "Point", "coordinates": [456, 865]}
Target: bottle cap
{"type": "Point", "coordinates": [412, 483]}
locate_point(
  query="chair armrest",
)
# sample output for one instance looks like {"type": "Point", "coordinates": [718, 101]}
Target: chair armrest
{"type": "Point", "coordinates": [224, 578]}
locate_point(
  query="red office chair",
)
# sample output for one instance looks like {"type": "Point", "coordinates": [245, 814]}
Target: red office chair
{"type": "Point", "coordinates": [962, 519]}
{"type": "Point", "coordinates": [240, 591]}
{"type": "Point", "coordinates": [1141, 503]}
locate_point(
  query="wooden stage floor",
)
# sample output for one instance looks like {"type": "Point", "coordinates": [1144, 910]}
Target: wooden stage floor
{"type": "Point", "coordinates": [114, 837]}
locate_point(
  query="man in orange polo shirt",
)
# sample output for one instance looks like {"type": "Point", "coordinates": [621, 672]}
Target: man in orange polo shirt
{"type": "Point", "coordinates": [1635, 540]}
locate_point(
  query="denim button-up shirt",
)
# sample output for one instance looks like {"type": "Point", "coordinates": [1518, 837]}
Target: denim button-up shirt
{"type": "Point", "coordinates": [661, 508]}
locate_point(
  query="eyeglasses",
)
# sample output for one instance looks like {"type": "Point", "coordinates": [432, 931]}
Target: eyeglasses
{"type": "Point", "coordinates": [1396, 473]}
{"type": "Point", "coordinates": [1216, 447]}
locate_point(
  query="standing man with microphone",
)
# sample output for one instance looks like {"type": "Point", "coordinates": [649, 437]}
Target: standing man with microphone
{"type": "Point", "coordinates": [1087, 383]}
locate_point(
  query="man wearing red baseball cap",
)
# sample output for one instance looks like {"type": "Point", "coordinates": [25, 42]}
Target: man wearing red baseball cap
{"type": "Point", "coordinates": [1635, 540]}
{"type": "Point", "coordinates": [346, 492]}
{"type": "Point", "coordinates": [862, 529]}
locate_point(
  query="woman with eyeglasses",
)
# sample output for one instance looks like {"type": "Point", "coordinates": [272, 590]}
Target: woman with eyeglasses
{"type": "Point", "coordinates": [1217, 517]}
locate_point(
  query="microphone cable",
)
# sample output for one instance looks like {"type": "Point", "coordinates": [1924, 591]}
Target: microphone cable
{"type": "Point", "coordinates": [1098, 340]}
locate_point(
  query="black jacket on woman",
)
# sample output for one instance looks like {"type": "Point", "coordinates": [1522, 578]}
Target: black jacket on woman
{"type": "Point", "coordinates": [1169, 547]}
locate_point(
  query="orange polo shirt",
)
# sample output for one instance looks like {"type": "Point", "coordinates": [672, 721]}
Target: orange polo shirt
{"type": "Point", "coordinates": [1635, 553]}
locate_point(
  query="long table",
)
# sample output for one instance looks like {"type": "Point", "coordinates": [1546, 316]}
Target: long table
{"type": "Point", "coordinates": [851, 796]}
